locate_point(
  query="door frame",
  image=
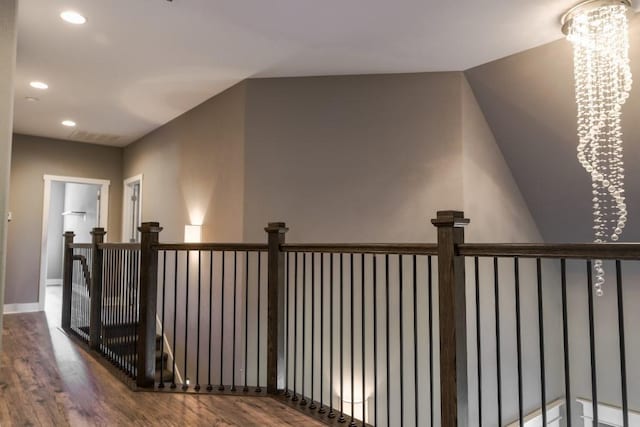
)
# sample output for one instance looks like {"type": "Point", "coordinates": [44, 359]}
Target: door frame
{"type": "Point", "coordinates": [125, 205]}
{"type": "Point", "coordinates": [104, 219]}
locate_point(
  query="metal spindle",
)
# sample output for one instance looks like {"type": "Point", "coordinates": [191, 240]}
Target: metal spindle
{"type": "Point", "coordinates": [175, 315]}
{"type": "Point", "coordinates": [164, 283]}
{"type": "Point", "coordinates": [363, 330]}
{"type": "Point", "coordinates": [375, 339]}
{"type": "Point", "coordinates": [221, 385]}
{"type": "Point", "coordinates": [331, 337]}
{"type": "Point", "coordinates": [401, 332]}
{"type": "Point", "coordinates": [592, 345]}
{"type": "Point", "coordinates": [565, 338]}
{"type": "Point", "coordinates": [416, 393]}
{"type": "Point", "coordinates": [322, 410]}
{"type": "Point", "coordinates": [516, 273]}
{"type": "Point", "coordinates": [246, 318]}
{"type": "Point", "coordinates": [295, 327]}
{"type": "Point", "coordinates": [543, 387]}
{"type": "Point", "coordinates": [185, 385]}
{"type": "Point", "coordinates": [498, 356]}
{"type": "Point", "coordinates": [351, 352]}
{"type": "Point", "coordinates": [209, 385]}
{"type": "Point", "coordinates": [623, 359]}
{"type": "Point", "coordinates": [303, 402]}
{"type": "Point", "coordinates": [430, 280]}
{"type": "Point", "coordinates": [341, 418]}
{"type": "Point", "coordinates": [233, 346]}
{"type": "Point", "coordinates": [197, 387]}
{"type": "Point", "coordinates": [388, 378]}
{"type": "Point", "coordinates": [258, 389]}
{"type": "Point", "coordinates": [288, 305]}
{"type": "Point", "coordinates": [313, 327]}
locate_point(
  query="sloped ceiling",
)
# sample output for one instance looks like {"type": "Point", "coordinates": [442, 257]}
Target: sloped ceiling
{"type": "Point", "coordinates": [528, 100]}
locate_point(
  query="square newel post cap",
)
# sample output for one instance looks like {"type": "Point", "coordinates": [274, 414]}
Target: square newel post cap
{"type": "Point", "coordinates": [450, 219]}
{"type": "Point", "coordinates": [279, 227]}
{"type": "Point", "coordinates": [150, 227]}
{"type": "Point", "coordinates": [98, 231]}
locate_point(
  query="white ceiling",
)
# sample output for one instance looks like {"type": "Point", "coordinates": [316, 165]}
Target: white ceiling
{"type": "Point", "coordinates": [137, 64]}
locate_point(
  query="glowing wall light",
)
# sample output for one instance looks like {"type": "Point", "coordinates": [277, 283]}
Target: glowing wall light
{"type": "Point", "coordinates": [192, 233]}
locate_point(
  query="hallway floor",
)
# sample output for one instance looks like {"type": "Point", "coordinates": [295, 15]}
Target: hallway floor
{"type": "Point", "coordinates": [46, 380]}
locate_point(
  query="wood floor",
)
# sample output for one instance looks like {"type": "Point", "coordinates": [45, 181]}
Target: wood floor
{"type": "Point", "coordinates": [46, 380]}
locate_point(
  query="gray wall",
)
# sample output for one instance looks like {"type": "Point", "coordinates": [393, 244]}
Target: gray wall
{"type": "Point", "coordinates": [34, 157]}
{"type": "Point", "coordinates": [353, 158]}
{"type": "Point", "coordinates": [55, 230]}
{"type": "Point", "coordinates": [194, 170]}
{"type": "Point", "coordinates": [8, 37]}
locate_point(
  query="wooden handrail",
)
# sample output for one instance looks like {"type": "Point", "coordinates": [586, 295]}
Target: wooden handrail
{"type": "Point", "coordinates": [119, 246]}
{"type": "Point", "coordinates": [80, 246]}
{"type": "Point", "coordinates": [85, 270]}
{"type": "Point", "coordinates": [240, 247]}
{"type": "Point", "coordinates": [616, 251]}
{"type": "Point", "coordinates": [365, 248]}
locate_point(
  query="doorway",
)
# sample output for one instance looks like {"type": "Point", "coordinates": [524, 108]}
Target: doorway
{"type": "Point", "coordinates": [132, 209]}
{"type": "Point", "coordinates": [70, 204]}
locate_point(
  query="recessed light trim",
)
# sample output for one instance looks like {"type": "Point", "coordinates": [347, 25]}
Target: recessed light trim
{"type": "Point", "coordinates": [39, 85]}
{"type": "Point", "coordinates": [31, 98]}
{"type": "Point", "coordinates": [69, 123]}
{"type": "Point", "coordinates": [73, 17]}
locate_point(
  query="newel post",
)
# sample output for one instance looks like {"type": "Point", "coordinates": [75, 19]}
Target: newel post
{"type": "Point", "coordinates": [453, 319]}
{"type": "Point", "coordinates": [275, 308]}
{"type": "Point", "coordinates": [67, 277]}
{"type": "Point", "coordinates": [146, 363]}
{"type": "Point", "coordinates": [95, 315]}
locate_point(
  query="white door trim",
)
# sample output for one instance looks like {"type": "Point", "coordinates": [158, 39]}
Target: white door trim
{"type": "Point", "coordinates": [125, 204]}
{"type": "Point", "coordinates": [104, 219]}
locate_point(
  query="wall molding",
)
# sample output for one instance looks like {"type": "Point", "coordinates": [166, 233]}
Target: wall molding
{"type": "Point", "coordinates": [29, 307]}
{"type": "Point", "coordinates": [54, 282]}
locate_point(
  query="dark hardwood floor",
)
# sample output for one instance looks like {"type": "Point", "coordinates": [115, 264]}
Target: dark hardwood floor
{"type": "Point", "coordinates": [46, 380]}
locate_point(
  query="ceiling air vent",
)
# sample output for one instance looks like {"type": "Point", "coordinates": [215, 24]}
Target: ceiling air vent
{"type": "Point", "coordinates": [97, 138]}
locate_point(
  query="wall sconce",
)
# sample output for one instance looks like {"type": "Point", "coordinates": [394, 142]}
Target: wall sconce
{"type": "Point", "coordinates": [192, 233]}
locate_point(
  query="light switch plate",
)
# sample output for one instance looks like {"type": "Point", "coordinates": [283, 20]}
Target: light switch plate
{"type": "Point", "coordinates": [9, 216]}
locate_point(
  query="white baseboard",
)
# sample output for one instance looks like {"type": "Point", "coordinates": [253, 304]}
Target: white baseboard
{"type": "Point", "coordinates": [53, 282]}
{"type": "Point", "coordinates": [22, 308]}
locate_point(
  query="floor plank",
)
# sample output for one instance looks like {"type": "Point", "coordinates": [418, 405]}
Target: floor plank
{"type": "Point", "coordinates": [46, 380]}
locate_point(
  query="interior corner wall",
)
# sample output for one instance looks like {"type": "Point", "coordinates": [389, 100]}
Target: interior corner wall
{"type": "Point", "coordinates": [352, 158]}
{"type": "Point", "coordinates": [193, 170]}
{"type": "Point", "coordinates": [32, 158]}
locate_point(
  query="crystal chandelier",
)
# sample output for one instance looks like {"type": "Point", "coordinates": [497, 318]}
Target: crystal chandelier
{"type": "Point", "coordinates": [598, 30]}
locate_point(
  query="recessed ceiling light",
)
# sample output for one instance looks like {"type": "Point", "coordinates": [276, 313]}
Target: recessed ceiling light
{"type": "Point", "coordinates": [31, 98]}
{"type": "Point", "coordinates": [73, 17]}
{"type": "Point", "coordinates": [39, 85]}
{"type": "Point", "coordinates": [69, 123]}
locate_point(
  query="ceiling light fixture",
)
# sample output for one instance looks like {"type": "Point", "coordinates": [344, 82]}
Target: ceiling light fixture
{"type": "Point", "coordinates": [73, 17]}
{"type": "Point", "coordinates": [39, 85]}
{"type": "Point", "coordinates": [599, 31]}
{"type": "Point", "coordinates": [68, 123]}
{"type": "Point", "coordinates": [31, 98]}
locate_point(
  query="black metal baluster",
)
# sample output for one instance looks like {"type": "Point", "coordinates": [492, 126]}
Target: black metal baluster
{"type": "Point", "coordinates": [222, 285]}
{"type": "Point", "coordinates": [341, 418]}
{"type": "Point", "coordinates": [623, 358]}
{"type": "Point", "coordinates": [313, 327]}
{"type": "Point", "coordinates": [209, 385]}
{"type": "Point", "coordinates": [351, 352]}
{"type": "Point", "coordinates": [125, 331]}
{"type": "Point", "coordinates": [288, 305]}
{"type": "Point", "coordinates": [516, 273]}
{"type": "Point", "coordinates": [478, 339]}
{"type": "Point", "coordinates": [175, 316]}
{"type": "Point", "coordinates": [246, 319]}
{"type": "Point", "coordinates": [303, 402]}
{"type": "Point", "coordinates": [592, 345]}
{"type": "Point", "coordinates": [498, 355]}
{"type": "Point", "coordinates": [388, 378]}
{"type": "Point", "coordinates": [185, 384]}
{"type": "Point", "coordinates": [258, 389]}
{"type": "Point", "coordinates": [295, 327]}
{"type": "Point", "coordinates": [565, 337]}
{"type": "Point", "coordinates": [401, 331]}
{"type": "Point", "coordinates": [543, 386]}
{"type": "Point", "coordinates": [363, 330]}
{"type": "Point", "coordinates": [233, 347]}
{"type": "Point", "coordinates": [375, 339]}
{"type": "Point", "coordinates": [415, 342]}
{"type": "Point", "coordinates": [332, 414]}
{"type": "Point", "coordinates": [430, 280]}
{"type": "Point", "coordinates": [164, 284]}
{"type": "Point", "coordinates": [322, 410]}
{"type": "Point", "coordinates": [197, 387]}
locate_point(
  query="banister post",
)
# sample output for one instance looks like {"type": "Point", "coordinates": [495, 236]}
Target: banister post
{"type": "Point", "coordinates": [146, 363]}
{"type": "Point", "coordinates": [453, 320]}
{"type": "Point", "coordinates": [95, 315]}
{"type": "Point", "coordinates": [275, 308]}
{"type": "Point", "coordinates": [67, 277]}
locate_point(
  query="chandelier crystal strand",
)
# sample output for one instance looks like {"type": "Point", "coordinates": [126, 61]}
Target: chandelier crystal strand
{"type": "Point", "coordinates": [603, 82]}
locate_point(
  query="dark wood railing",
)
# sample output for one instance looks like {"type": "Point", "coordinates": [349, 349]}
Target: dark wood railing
{"type": "Point", "coordinates": [344, 332]}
